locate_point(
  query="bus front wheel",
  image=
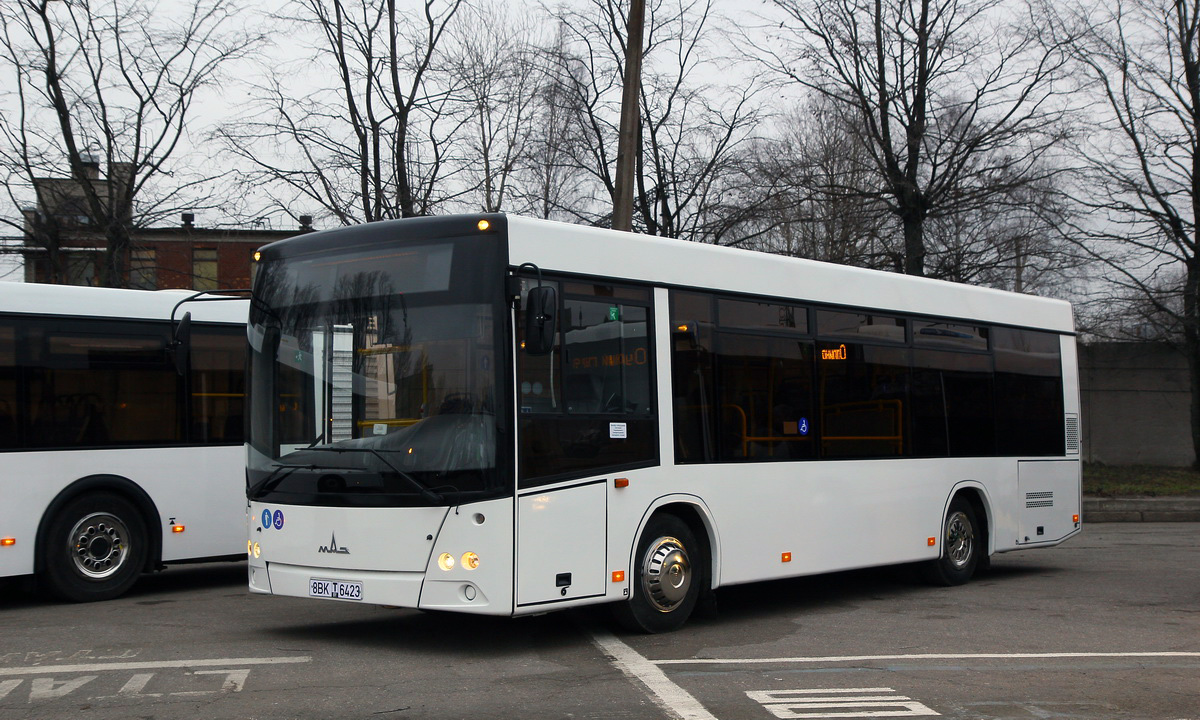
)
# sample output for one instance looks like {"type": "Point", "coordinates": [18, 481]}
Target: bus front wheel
{"type": "Point", "coordinates": [668, 577]}
{"type": "Point", "coordinates": [95, 548]}
{"type": "Point", "coordinates": [962, 543]}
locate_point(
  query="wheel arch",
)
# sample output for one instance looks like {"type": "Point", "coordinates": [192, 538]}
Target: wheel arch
{"type": "Point", "coordinates": [117, 485]}
{"type": "Point", "coordinates": [697, 516]}
{"type": "Point", "coordinates": [977, 495]}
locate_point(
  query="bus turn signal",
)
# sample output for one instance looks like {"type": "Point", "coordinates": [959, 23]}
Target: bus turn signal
{"type": "Point", "coordinates": [7, 542]}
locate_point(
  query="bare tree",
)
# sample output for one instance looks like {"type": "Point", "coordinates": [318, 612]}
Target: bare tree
{"type": "Point", "coordinates": [366, 127]}
{"type": "Point", "coordinates": [100, 99]}
{"type": "Point", "coordinates": [498, 76]}
{"type": "Point", "coordinates": [789, 198]}
{"type": "Point", "coordinates": [954, 103]}
{"type": "Point", "coordinates": [689, 128]}
{"type": "Point", "coordinates": [1140, 190]}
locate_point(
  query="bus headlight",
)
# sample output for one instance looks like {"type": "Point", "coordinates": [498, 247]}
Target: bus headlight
{"type": "Point", "coordinates": [446, 561]}
{"type": "Point", "coordinates": [470, 560]}
{"type": "Point", "coordinates": [257, 550]}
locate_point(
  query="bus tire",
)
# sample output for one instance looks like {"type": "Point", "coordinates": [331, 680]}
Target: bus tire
{"type": "Point", "coordinates": [962, 544]}
{"type": "Point", "coordinates": [94, 548]}
{"type": "Point", "coordinates": [668, 574]}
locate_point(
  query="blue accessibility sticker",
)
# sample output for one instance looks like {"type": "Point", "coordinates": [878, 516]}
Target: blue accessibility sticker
{"type": "Point", "coordinates": [278, 519]}
{"type": "Point", "coordinates": [266, 519]}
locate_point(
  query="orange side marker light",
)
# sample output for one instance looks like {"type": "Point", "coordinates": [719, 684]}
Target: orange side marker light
{"type": "Point", "coordinates": [932, 541]}
{"type": "Point", "coordinates": [618, 576]}
{"type": "Point", "coordinates": [178, 528]}
{"type": "Point", "coordinates": [7, 542]}
{"type": "Point", "coordinates": [786, 557]}
{"type": "Point", "coordinates": [1075, 519]}
{"type": "Point", "coordinates": [621, 482]}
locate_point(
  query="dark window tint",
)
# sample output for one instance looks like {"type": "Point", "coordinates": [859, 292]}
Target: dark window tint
{"type": "Point", "coordinates": [218, 391]}
{"type": "Point", "coordinates": [1029, 393]}
{"type": "Point", "coordinates": [607, 358]}
{"type": "Point", "coordinates": [765, 399]}
{"type": "Point", "coordinates": [951, 404]}
{"type": "Point", "coordinates": [747, 315]}
{"type": "Point", "coordinates": [864, 392]}
{"type": "Point", "coordinates": [589, 405]}
{"type": "Point", "coordinates": [860, 325]}
{"type": "Point", "coordinates": [100, 384]}
{"type": "Point", "coordinates": [10, 402]}
{"type": "Point", "coordinates": [940, 334]}
{"type": "Point", "coordinates": [692, 382]}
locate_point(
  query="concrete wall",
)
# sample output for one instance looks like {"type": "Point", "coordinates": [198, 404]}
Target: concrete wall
{"type": "Point", "coordinates": [1135, 404]}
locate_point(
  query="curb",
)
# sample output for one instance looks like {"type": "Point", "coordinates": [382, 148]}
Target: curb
{"type": "Point", "coordinates": [1141, 509]}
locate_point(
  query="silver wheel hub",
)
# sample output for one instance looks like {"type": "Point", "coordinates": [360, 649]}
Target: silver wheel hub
{"type": "Point", "coordinates": [98, 545]}
{"type": "Point", "coordinates": [960, 540]}
{"type": "Point", "coordinates": [666, 574]}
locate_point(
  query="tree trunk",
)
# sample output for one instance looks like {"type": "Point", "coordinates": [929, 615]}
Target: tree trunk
{"type": "Point", "coordinates": [914, 243]}
{"type": "Point", "coordinates": [1191, 347]}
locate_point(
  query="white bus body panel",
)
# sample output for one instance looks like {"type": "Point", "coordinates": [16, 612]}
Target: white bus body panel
{"type": "Point", "coordinates": [201, 488]}
{"type": "Point", "coordinates": [393, 552]}
{"type": "Point", "coordinates": [1049, 498]}
{"type": "Point", "coordinates": [560, 543]}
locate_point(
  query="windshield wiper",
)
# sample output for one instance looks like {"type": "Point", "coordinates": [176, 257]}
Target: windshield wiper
{"type": "Point", "coordinates": [425, 491]}
{"type": "Point", "coordinates": [275, 477]}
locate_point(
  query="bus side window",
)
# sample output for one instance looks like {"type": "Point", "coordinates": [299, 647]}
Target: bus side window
{"type": "Point", "coordinates": [218, 387]}
{"type": "Point", "coordinates": [588, 405]}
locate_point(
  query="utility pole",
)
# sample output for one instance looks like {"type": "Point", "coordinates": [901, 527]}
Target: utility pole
{"type": "Point", "coordinates": [627, 141]}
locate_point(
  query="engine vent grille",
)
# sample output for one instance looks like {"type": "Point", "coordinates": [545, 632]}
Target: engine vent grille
{"type": "Point", "coordinates": [1039, 499]}
{"type": "Point", "coordinates": [1072, 434]}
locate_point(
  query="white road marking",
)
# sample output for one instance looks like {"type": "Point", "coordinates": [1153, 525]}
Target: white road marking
{"type": "Point", "coordinates": [152, 665]}
{"type": "Point", "coordinates": [136, 684]}
{"type": "Point", "coordinates": [674, 700]}
{"type": "Point", "coordinates": [235, 680]}
{"type": "Point", "coordinates": [927, 656]}
{"type": "Point", "coordinates": [7, 686]}
{"type": "Point", "coordinates": [50, 689]}
{"type": "Point", "coordinates": [838, 703]}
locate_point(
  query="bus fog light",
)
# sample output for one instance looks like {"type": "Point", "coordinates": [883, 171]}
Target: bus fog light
{"type": "Point", "coordinates": [469, 592]}
{"type": "Point", "coordinates": [470, 560]}
{"type": "Point", "coordinates": [446, 561]}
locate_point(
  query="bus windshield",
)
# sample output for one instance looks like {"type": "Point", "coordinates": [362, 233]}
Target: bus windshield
{"type": "Point", "coordinates": [374, 379]}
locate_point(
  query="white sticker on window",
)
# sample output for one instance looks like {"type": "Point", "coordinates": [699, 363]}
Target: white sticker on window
{"type": "Point", "coordinates": [617, 431]}
{"type": "Point", "coordinates": [380, 428]}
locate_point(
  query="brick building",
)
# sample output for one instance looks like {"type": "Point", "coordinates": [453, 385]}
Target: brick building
{"type": "Point", "coordinates": [185, 256]}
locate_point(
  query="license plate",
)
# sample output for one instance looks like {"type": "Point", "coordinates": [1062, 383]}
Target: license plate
{"type": "Point", "coordinates": [335, 589]}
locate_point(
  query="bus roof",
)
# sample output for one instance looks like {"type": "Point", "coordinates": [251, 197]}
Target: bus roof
{"type": "Point", "coordinates": [586, 250]}
{"type": "Point", "coordinates": [83, 301]}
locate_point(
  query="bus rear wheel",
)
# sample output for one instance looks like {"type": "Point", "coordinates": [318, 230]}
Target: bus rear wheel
{"type": "Point", "coordinates": [668, 577]}
{"type": "Point", "coordinates": [95, 548]}
{"type": "Point", "coordinates": [962, 544]}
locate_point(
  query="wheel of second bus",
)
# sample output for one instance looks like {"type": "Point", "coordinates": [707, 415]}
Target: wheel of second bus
{"type": "Point", "coordinates": [668, 577]}
{"type": "Point", "coordinates": [962, 544]}
{"type": "Point", "coordinates": [95, 548]}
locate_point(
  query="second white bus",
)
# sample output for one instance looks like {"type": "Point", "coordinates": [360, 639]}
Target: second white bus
{"type": "Point", "coordinates": [499, 415]}
{"type": "Point", "coordinates": [121, 434]}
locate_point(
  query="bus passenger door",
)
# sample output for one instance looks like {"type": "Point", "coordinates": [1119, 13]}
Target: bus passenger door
{"type": "Point", "coordinates": [585, 406]}
{"type": "Point", "coordinates": [560, 543]}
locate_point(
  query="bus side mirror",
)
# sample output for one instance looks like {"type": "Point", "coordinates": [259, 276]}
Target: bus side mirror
{"type": "Point", "coordinates": [541, 307]}
{"type": "Point", "coordinates": [181, 344]}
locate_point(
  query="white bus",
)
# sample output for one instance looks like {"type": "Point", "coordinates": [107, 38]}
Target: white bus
{"type": "Point", "coordinates": [506, 416]}
{"type": "Point", "coordinates": [121, 433]}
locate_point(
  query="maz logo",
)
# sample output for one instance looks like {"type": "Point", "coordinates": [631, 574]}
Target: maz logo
{"type": "Point", "coordinates": [332, 548]}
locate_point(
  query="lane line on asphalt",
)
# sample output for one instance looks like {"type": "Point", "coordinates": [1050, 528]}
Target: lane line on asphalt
{"type": "Point", "coordinates": [923, 656]}
{"type": "Point", "coordinates": [152, 665]}
{"type": "Point", "coordinates": [674, 700]}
